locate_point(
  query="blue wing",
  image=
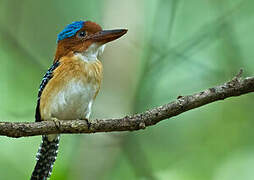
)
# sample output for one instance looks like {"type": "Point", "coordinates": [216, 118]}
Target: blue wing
{"type": "Point", "coordinates": [45, 80]}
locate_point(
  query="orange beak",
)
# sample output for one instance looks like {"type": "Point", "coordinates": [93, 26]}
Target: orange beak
{"type": "Point", "coordinates": [105, 36]}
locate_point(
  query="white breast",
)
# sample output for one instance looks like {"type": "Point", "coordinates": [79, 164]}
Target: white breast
{"type": "Point", "coordinates": [74, 101]}
{"type": "Point", "coordinates": [92, 53]}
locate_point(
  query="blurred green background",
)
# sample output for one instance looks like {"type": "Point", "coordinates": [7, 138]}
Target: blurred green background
{"type": "Point", "coordinates": [172, 48]}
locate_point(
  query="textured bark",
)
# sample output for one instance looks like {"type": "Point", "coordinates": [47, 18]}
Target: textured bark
{"type": "Point", "coordinates": [236, 87]}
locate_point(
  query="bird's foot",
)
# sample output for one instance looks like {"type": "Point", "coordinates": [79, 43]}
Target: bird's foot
{"type": "Point", "coordinates": [87, 122]}
{"type": "Point", "coordinates": [56, 122]}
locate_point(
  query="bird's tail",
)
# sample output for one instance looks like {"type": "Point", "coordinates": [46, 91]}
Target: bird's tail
{"type": "Point", "coordinates": [46, 157]}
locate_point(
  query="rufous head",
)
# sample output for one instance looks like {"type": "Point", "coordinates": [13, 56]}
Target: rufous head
{"type": "Point", "coordinates": [84, 38]}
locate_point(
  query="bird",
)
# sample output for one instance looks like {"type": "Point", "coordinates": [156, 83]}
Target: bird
{"type": "Point", "coordinates": [71, 84]}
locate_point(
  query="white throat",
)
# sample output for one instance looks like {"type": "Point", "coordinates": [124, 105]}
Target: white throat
{"type": "Point", "coordinates": [95, 50]}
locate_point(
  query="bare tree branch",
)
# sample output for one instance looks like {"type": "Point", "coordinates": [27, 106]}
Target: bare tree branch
{"type": "Point", "coordinates": [235, 87]}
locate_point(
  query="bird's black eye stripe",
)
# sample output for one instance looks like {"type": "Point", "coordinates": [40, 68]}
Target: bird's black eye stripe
{"type": "Point", "coordinates": [82, 34]}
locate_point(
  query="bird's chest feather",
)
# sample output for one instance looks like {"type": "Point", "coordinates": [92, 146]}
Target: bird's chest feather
{"type": "Point", "coordinates": [74, 100]}
{"type": "Point", "coordinates": [71, 91]}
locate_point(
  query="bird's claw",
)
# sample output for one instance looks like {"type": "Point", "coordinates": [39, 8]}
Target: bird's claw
{"type": "Point", "coordinates": [87, 122]}
{"type": "Point", "coordinates": [56, 122]}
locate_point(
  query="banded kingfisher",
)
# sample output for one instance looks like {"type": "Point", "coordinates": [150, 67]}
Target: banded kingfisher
{"type": "Point", "coordinates": [71, 84]}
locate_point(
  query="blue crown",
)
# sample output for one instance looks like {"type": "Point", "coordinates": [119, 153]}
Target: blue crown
{"type": "Point", "coordinates": [70, 30]}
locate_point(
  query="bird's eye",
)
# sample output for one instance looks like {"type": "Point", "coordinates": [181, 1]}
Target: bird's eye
{"type": "Point", "coordinates": [82, 34]}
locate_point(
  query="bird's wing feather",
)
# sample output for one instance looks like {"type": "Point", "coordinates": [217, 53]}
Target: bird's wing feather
{"type": "Point", "coordinates": [45, 80]}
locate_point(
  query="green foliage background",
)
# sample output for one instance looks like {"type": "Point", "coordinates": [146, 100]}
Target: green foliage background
{"type": "Point", "coordinates": [172, 48]}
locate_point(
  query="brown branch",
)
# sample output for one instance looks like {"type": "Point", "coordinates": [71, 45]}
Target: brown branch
{"type": "Point", "coordinates": [235, 87]}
